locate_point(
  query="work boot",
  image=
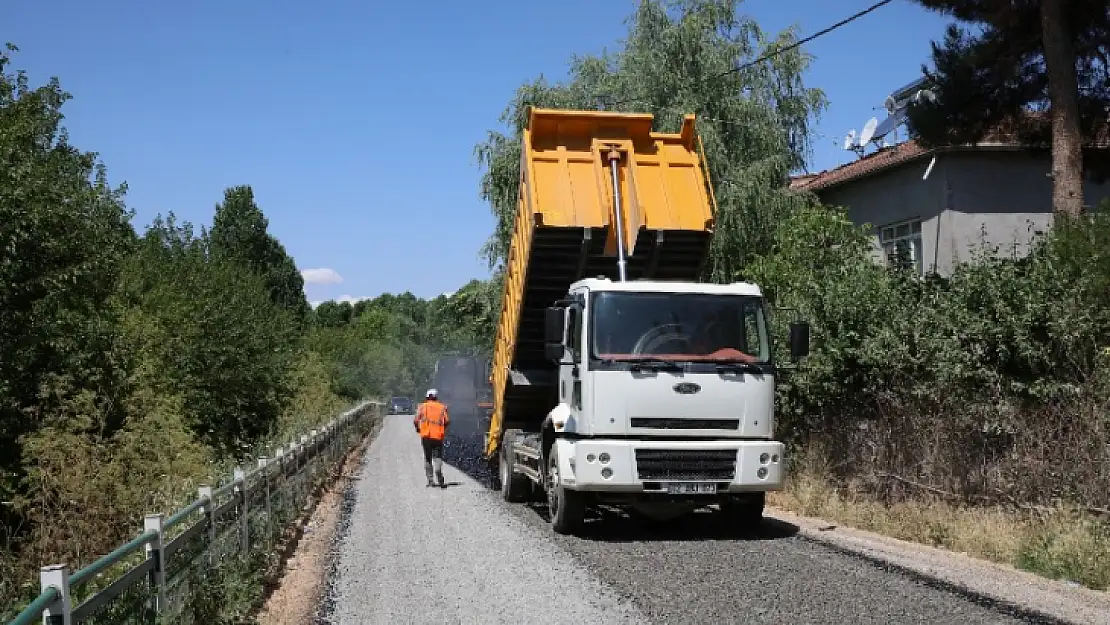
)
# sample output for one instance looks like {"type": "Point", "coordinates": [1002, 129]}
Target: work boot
{"type": "Point", "coordinates": [430, 484]}
{"type": "Point", "coordinates": [442, 484]}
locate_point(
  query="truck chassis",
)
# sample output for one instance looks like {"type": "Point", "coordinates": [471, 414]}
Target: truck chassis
{"type": "Point", "coordinates": [528, 470]}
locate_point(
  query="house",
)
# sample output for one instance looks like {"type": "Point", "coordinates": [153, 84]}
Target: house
{"type": "Point", "coordinates": [932, 206]}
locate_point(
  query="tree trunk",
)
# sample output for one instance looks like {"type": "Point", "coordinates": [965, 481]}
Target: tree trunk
{"type": "Point", "coordinates": [1063, 94]}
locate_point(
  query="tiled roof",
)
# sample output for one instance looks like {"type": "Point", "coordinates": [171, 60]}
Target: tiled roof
{"type": "Point", "coordinates": [872, 163]}
{"type": "Point", "coordinates": [1004, 136]}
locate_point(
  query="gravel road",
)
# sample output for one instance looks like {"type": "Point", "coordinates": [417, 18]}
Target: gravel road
{"type": "Point", "coordinates": [413, 554]}
{"type": "Point", "coordinates": [460, 555]}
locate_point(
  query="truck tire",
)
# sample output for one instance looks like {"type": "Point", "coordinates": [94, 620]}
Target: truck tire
{"type": "Point", "coordinates": [744, 512]}
{"type": "Point", "coordinates": [514, 486]}
{"type": "Point", "coordinates": [567, 508]}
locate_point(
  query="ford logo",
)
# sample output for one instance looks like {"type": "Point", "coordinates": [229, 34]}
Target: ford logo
{"type": "Point", "coordinates": [686, 388]}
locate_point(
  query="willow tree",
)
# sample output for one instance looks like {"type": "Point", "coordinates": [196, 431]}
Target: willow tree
{"type": "Point", "coordinates": [690, 56]}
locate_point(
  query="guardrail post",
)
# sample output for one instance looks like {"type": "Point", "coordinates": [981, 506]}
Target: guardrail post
{"type": "Point", "coordinates": [58, 613]}
{"type": "Point", "coordinates": [244, 513]}
{"type": "Point", "coordinates": [307, 487]}
{"type": "Point", "coordinates": [279, 457]}
{"type": "Point", "coordinates": [209, 512]}
{"type": "Point", "coordinates": [265, 476]}
{"type": "Point", "coordinates": [294, 486]}
{"type": "Point", "coordinates": [311, 458]}
{"type": "Point", "coordinates": [343, 434]}
{"type": "Point", "coordinates": [155, 552]}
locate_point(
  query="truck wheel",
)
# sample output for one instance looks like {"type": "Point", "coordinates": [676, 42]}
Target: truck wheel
{"type": "Point", "coordinates": [567, 508]}
{"type": "Point", "coordinates": [744, 512]}
{"type": "Point", "coordinates": [514, 486]}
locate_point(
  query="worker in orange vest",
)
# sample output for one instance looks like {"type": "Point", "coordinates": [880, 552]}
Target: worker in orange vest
{"type": "Point", "coordinates": [431, 424]}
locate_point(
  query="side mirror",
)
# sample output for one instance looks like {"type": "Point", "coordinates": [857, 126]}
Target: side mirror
{"type": "Point", "coordinates": [799, 340]}
{"type": "Point", "coordinates": [554, 322]}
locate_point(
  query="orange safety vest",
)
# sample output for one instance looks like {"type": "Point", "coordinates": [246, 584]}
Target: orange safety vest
{"type": "Point", "coordinates": [431, 420]}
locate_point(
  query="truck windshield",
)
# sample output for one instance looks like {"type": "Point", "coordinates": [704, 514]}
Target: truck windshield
{"type": "Point", "coordinates": [678, 327]}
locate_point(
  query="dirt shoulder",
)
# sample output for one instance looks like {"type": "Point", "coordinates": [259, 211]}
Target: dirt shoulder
{"type": "Point", "coordinates": [296, 594]}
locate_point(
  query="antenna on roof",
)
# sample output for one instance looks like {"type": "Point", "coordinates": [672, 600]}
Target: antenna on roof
{"type": "Point", "coordinates": [849, 138]}
{"type": "Point", "coordinates": [850, 143]}
{"type": "Point", "coordinates": [868, 131]}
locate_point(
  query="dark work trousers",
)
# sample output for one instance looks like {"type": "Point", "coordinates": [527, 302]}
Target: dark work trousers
{"type": "Point", "coordinates": [433, 453]}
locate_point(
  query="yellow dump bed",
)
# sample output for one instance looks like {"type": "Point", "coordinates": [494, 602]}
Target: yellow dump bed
{"type": "Point", "coordinates": [564, 232]}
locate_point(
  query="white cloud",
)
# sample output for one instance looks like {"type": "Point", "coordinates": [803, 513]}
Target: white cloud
{"type": "Point", "coordinates": [340, 300]}
{"type": "Point", "coordinates": [351, 298]}
{"type": "Point", "coordinates": [323, 275]}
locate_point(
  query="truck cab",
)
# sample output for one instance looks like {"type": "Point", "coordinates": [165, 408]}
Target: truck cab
{"type": "Point", "coordinates": [665, 402]}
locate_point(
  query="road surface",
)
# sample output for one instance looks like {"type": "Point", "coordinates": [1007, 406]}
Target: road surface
{"type": "Point", "coordinates": [412, 554]}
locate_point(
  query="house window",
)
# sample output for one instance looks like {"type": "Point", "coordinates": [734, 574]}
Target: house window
{"type": "Point", "coordinates": [902, 245]}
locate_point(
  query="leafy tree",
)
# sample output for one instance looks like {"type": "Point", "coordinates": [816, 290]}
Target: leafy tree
{"type": "Point", "coordinates": [333, 314]}
{"type": "Point", "coordinates": [239, 233]}
{"type": "Point", "coordinates": [388, 345]}
{"type": "Point", "coordinates": [63, 233]}
{"type": "Point", "coordinates": [686, 57]}
{"type": "Point", "coordinates": [1028, 56]}
{"type": "Point", "coordinates": [468, 317]}
{"type": "Point", "coordinates": [225, 347]}
{"type": "Point", "coordinates": [132, 367]}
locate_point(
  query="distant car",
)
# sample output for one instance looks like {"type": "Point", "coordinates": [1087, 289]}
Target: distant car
{"type": "Point", "coordinates": [400, 405]}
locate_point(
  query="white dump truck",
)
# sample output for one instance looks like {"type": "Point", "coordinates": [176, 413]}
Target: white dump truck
{"type": "Point", "coordinates": [618, 377]}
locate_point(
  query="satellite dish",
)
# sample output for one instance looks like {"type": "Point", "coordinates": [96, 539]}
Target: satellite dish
{"type": "Point", "coordinates": [868, 131]}
{"type": "Point", "coordinates": [849, 139]}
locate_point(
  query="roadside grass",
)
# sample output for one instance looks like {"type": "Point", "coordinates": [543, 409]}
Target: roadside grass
{"type": "Point", "coordinates": [1058, 543]}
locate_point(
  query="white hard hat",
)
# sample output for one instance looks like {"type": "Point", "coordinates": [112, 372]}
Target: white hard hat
{"type": "Point", "coordinates": [432, 393]}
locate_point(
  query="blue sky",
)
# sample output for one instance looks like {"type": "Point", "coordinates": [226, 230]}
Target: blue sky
{"type": "Point", "coordinates": [355, 122]}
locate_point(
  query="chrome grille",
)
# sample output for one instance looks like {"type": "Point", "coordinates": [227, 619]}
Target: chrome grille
{"type": "Point", "coordinates": [678, 423]}
{"type": "Point", "coordinates": [686, 464]}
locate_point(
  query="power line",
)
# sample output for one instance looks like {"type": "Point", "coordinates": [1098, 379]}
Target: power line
{"type": "Point", "coordinates": [810, 38]}
{"type": "Point", "coordinates": [778, 51]}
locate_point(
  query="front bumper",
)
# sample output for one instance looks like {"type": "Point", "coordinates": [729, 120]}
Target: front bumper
{"type": "Point", "coordinates": [646, 466]}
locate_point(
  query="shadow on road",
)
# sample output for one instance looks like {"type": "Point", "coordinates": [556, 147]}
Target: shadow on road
{"type": "Point", "coordinates": [607, 524]}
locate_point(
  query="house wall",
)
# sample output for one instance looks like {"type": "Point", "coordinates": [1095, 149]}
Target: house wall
{"type": "Point", "coordinates": [970, 199]}
{"type": "Point", "coordinates": [1006, 194]}
{"type": "Point", "coordinates": [891, 196]}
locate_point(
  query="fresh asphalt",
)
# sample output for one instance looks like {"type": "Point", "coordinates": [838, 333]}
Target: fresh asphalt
{"type": "Point", "coordinates": [412, 554]}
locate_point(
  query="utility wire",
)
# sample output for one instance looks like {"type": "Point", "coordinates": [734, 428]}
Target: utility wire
{"type": "Point", "coordinates": [778, 51]}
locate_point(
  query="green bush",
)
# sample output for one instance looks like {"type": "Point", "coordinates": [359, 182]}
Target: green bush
{"type": "Point", "coordinates": [957, 381]}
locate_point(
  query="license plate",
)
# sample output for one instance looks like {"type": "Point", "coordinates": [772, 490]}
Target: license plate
{"type": "Point", "coordinates": [691, 488]}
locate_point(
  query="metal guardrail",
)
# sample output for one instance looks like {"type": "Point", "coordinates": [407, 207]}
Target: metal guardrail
{"type": "Point", "coordinates": [157, 577]}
